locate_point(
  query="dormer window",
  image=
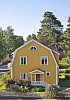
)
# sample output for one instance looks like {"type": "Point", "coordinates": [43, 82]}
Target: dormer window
{"type": "Point", "coordinates": [33, 48]}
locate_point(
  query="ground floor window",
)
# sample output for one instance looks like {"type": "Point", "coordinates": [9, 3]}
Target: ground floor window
{"type": "Point", "coordinates": [23, 76]}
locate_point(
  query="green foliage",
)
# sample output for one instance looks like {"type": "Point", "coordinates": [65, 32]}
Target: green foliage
{"type": "Point", "coordinates": [38, 89]}
{"type": "Point", "coordinates": [9, 42]}
{"type": "Point", "coordinates": [67, 71]}
{"type": "Point", "coordinates": [18, 85]}
{"type": "Point", "coordinates": [30, 37]}
{"type": "Point", "coordinates": [64, 82]}
{"type": "Point", "coordinates": [6, 76]}
{"type": "Point", "coordinates": [52, 28]}
{"type": "Point", "coordinates": [67, 76]}
{"type": "Point", "coordinates": [64, 63]}
{"type": "Point", "coordinates": [65, 40]}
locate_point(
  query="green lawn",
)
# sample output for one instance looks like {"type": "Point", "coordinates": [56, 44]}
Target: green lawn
{"type": "Point", "coordinates": [64, 83]}
{"type": "Point", "coordinates": [2, 86]}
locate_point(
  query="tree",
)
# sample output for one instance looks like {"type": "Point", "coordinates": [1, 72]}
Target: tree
{"type": "Point", "coordinates": [30, 37]}
{"type": "Point", "coordinates": [18, 41]}
{"type": "Point", "coordinates": [9, 42]}
{"type": "Point", "coordinates": [52, 28]}
{"type": "Point", "coordinates": [2, 45]}
{"type": "Point", "coordinates": [8, 38]}
{"type": "Point", "coordinates": [65, 40]}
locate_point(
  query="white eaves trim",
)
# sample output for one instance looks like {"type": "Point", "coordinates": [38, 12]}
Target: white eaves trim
{"type": "Point", "coordinates": [56, 52]}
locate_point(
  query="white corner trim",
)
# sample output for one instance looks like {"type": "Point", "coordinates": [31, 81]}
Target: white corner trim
{"type": "Point", "coordinates": [56, 68]}
{"type": "Point", "coordinates": [14, 54]}
{"type": "Point", "coordinates": [57, 76]}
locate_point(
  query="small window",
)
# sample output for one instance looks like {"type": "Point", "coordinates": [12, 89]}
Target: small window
{"type": "Point", "coordinates": [23, 60]}
{"type": "Point", "coordinates": [47, 73]}
{"type": "Point", "coordinates": [23, 76]}
{"type": "Point", "coordinates": [44, 60]}
{"type": "Point", "coordinates": [33, 48]}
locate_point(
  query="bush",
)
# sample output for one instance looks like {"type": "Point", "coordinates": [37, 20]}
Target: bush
{"type": "Point", "coordinates": [38, 89]}
{"type": "Point", "coordinates": [67, 71]}
{"type": "Point", "coordinates": [18, 85]}
{"type": "Point", "coordinates": [63, 66]}
{"type": "Point", "coordinates": [67, 76]}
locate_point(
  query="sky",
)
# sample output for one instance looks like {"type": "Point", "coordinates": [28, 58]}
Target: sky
{"type": "Point", "coordinates": [25, 15]}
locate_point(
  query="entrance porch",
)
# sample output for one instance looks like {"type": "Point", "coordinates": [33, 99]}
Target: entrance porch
{"type": "Point", "coordinates": [37, 78]}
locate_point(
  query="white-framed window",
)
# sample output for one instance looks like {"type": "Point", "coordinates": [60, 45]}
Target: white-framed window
{"type": "Point", "coordinates": [47, 73]}
{"type": "Point", "coordinates": [23, 76]}
{"type": "Point", "coordinates": [23, 60]}
{"type": "Point", "coordinates": [33, 48]}
{"type": "Point", "coordinates": [44, 60]}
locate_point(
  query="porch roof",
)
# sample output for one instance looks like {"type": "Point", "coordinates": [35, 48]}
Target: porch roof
{"type": "Point", "coordinates": [37, 70]}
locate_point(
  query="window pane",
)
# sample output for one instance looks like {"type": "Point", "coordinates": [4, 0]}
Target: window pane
{"type": "Point", "coordinates": [24, 60]}
{"type": "Point", "coordinates": [21, 60]}
{"type": "Point", "coordinates": [34, 48]}
{"type": "Point", "coordinates": [31, 48]}
{"type": "Point", "coordinates": [24, 76]}
{"type": "Point", "coordinates": [45, 60]}
{"type": "Point", "coordinates": [42, 61]}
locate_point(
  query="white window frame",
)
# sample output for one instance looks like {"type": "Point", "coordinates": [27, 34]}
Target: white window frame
{"type": "Point", "coordinates": [23, 61]}
{"type": "Point", "coordinates": [23, 74]}
{"type": "Point", "coordinates": [33, 48]}
{"type": "Point", "coordinates": [44, 59]}
{"type": "Point", "coordinates": [47, 72]}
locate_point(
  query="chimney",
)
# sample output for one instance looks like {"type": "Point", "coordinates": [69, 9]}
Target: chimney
{"type": "Point", "coordinates": [43, 40]}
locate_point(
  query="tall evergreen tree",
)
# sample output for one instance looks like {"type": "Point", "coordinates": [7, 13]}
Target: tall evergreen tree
{"type": "Point", "coordinates": [52, 28]}
{"type": "Point", "coordinates": [65, 40]}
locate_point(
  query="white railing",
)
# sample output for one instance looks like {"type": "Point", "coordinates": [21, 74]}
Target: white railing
{"type": "Point", "coordinates": [39, 83]}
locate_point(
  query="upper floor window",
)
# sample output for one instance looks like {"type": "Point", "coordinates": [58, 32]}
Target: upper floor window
{"type": "Point", "coordinates": [33, 48]}
{"type": "Point", "coordinates": [44, 60]}
{"type": "Point", "coordinates": [23, 60]}
{"type": "Point", "coordinates": [23, 76]}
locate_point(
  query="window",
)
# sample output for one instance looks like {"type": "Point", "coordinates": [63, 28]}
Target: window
{"type": "Point", "coordinates": [23, 76]}
{"type": "Point", "coordinates": [47, 73]}
{"type": "Point", "coordinates": [33, 48]}
{"type": "Point", "coordinates": [44, 60]}
{"type": "Point", "coordinates": [23, 60]}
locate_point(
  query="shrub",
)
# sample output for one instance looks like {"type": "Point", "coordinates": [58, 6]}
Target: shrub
{"type": "Point", "coordinates": [67, 76]}
{"type": "Point", "coordinates": [67, 71]}
{"type": "Point", "coordinates": [38, 89]}
{"type": "Point", "coordinates": [63, 66]}
{"type": "Point", "coordinates": [18, 85]}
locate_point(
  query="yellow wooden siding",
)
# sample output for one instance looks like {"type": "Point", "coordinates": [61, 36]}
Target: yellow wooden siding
{"type": "Point", "coordinates": [33, 62]}
{"type": "Point", "coordinates": [56, 57]}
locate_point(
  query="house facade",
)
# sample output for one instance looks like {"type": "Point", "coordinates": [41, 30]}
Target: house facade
{"type": "Point", "coordinates": [36, 62]}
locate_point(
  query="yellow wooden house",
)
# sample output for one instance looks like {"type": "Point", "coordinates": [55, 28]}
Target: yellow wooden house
{"type": "Point", "coordinates": [36, 62]}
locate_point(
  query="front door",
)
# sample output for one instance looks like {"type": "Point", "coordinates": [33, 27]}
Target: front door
{"type": "Point", "coordinates": [37, 77]}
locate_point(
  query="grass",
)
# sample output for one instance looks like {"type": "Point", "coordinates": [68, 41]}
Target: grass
{"type": "Point", "coordinates": [2, 86]}
{"type": "Point", "coordinates": [64, 83]}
